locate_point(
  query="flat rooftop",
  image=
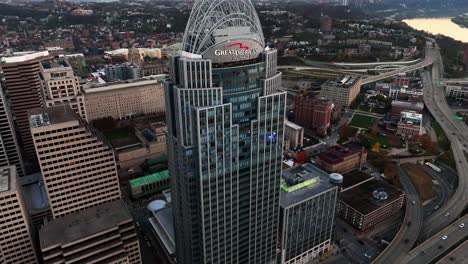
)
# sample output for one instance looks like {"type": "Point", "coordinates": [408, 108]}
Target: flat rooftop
{"type": "Point", "coordinates": [55, 64]}
{"type": "Point", "coordinates": [339, 152]}
{"type": "Point", "coordinates": [115, 86]}
{"type": "Point", "coordinates": [362, 199]}
{"type": "Point", "coordinates": [344, 81]}
{"type": "Point", "coordinates": [417, 105]}
{"type": "Point", "coordinates": [163, 224]}
{"type": "Point", "coordinates": [7, 179]}
{"type": "Point", "coordinates": [353, 178]}
{"type": "Point", "coordinates": [301, 183]}
{"type": "Point", "coordinates": [34, 192]}
{"type": "Point", "coordinates": [71, 228]}
{"type": "Point", "coordinates": [292, 125]}
{"type": "Point", "coordinates": [40, 117]}
{"type": "Point", "coordinates": [152, 178]}
{"type": "Point", "coordinates": [23, 56]}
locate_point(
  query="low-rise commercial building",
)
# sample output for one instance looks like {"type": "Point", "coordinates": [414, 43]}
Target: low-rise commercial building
{"type": "Point", "coordinates": [401, 106]}
{"type": "Point", "coordinates": [150, 184]}
{"type": "Point", "coordinates": [101, 234]}
{"type": "Point", "coordinates": [150, 143]}
{"type": "Point", "coordinates": [410, 125]}
{"type": "Point", "coordinates": [123, 100]}
{"type": "Point", "coordinates": [342, 91]}
{"type": "Point", "coordinates": [307, 213]}
{"type": "Point", "coordinates": [343, 158]}
{"type": "Point", "coordinates": [369, 203]}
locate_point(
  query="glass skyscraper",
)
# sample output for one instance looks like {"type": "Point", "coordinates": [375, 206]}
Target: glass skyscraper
{"type": "Point", "coordinates": [226, 131]}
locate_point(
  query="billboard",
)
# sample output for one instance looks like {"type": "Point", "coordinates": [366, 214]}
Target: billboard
{"type": "Point", "coordinates": [232, 51]}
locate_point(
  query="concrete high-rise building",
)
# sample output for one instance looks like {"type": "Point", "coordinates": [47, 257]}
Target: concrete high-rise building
{"type": "Point", "coordinates": [123, 100]}
{"type": "Point", "coordinates": [225, 137]}
{"type": "Point", "coordinates": [61, 86]}
{"type": "Point", "coordinates": [23, 89]}
{"type": "Point", "coordinates": [16, 244]}
{"type": "Point", "coordinates": [77, 164]}
{"type": "Point", "coordinates": [101, 234]}
{"type": "Point", "coordinates": [342, 91]}
{"type": "Point", "coordinates": [313, 113]}
{"type": "Point", "coordinates": [308, 204]}
{"type": "Point", "coordinates": [10, 153]}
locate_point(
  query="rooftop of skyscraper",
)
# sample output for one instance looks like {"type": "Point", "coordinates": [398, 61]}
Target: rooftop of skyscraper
{"type": "Point", "coordinates": [301, 183]}
{"type": "Point", "coordinates": [55, 64]}
{"type": "Point", "coordinates": [40, 117]}
{"type": "Point", "coordinates": [71, 228]}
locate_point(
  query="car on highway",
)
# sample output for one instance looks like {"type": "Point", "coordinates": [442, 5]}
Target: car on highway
{"type": "Point", "coordinates": [367, 255]}
{"type": "Point", "coordinates": [413, 202]}
{"type": "Point", "coordinates": [447, 214]}
{"type": "Point", "coordinates": [444, 237]}
{"type": "Point", "coordinates": [461, 225]}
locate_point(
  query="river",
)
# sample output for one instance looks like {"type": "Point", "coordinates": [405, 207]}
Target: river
{"type": "Point", "coordinates": [443, 26]}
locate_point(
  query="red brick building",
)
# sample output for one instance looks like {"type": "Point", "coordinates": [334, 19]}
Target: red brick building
{"type": "Point", "coordinates": [343, 158]}
{"type": "Point", "coordinates": [313, 113]}
{"type": "Point", "coordinates": [401, 106]}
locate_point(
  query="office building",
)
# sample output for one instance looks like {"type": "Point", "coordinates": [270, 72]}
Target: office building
{"type": "Point", "coordinates": [77, 164]}
{"type": "Point", "coordinates": [342, 91]}
{"type": "Point", "coordinates": [122, 72]}
{"type": "Point", "coordinates": [369, 203]}
{"type": "Point", "coordinates": [10, 153]}
{"type": "Point", "coordinates": [401, 106]}
{"type": "Point", "coordinates": [343, 158]}
{"type": "Point", "coordinates": [16, 243]}
{"type": "Point", "coordinates": [78, 63]}
{"type": "Point", "coordinates": [61, 86]}
{"type": "Point", "coordinates": [294, 134]}
{"type": "Point", "coordinates": [225, 137]}
{"type": "Point", "coordinates": [125, 100]}
{"type": "Point", "coordinates": [410, 125]}
{"type": "Point", "coordinates": [307, 215]}
{"type": "Point", "coordinates": [457, 90]}
{"type": "Point", "coordinates": [101, 234]}
{"type": "Point", "coordinates": [313, 113]}
{"type": "Point", "coordinates": [23, 87]}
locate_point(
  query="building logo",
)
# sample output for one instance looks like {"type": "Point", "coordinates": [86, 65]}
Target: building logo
{"type": "Point", "coordinates": [243, 50]}
{"type": "Point", "coordinates": [240, 44]}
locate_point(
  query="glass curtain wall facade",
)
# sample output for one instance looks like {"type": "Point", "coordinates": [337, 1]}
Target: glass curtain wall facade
{"type": "Point", "coordinates": [225, 142]}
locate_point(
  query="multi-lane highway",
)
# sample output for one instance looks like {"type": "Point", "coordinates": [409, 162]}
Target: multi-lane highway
{"type": "Point", "coordinates": [436, 103]}
{"type": "Point", "coordinates": [412, 224]}
{"type": "Point", "coordinates": [439, 244]}
{"type": "Point", "coordinates": [458, 255]}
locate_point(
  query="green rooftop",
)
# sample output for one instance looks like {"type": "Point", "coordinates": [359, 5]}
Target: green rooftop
{"type": "Point", "coordinates": [163, 175]}
{"type": "Point", "coordinates": [301, 185]}
{"type": "Point", "coordinates": [154, 161]}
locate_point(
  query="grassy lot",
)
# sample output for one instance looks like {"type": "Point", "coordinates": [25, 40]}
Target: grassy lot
{"type": "Point", "coordinates": [362, 121]}
{"type": "Point", "coordinates": [442, 139]}
{"type": "Point", "coordinates": [117, 133]}
{"type": "Point", "coordinates": [421, 180]}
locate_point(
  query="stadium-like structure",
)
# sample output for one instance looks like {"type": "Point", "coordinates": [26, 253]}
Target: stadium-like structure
{"type": "Point", "coordinates": [214, 21]}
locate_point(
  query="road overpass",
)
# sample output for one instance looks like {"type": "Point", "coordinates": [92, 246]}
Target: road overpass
{"type": "Point", "coordinates": [435, 247]}
{"type": "Point", "coordinates": [458, 255]}
{"type": "Point", "coordinates": [412, 224]}
{"type": "Point", "coordinates": [436, 103]}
